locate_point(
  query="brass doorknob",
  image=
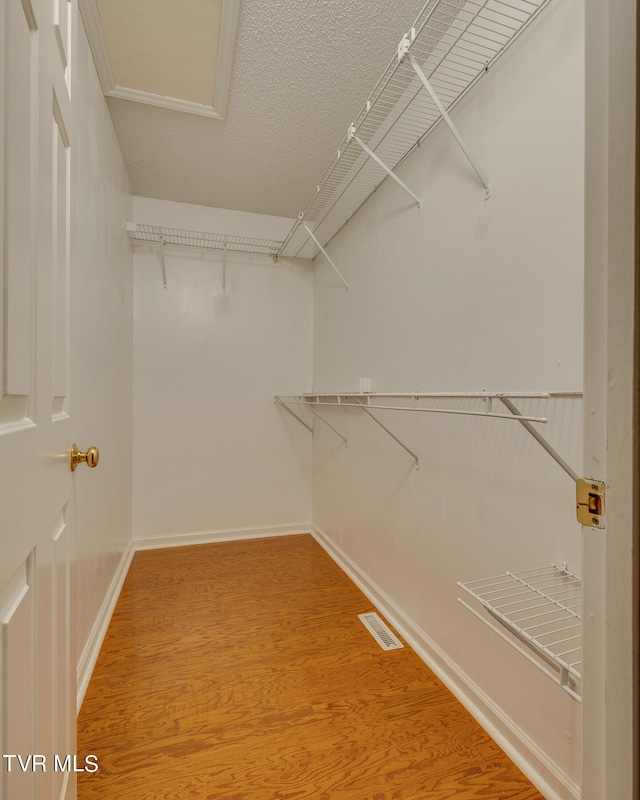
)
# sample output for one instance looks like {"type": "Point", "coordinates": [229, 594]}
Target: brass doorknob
{"type": "Point", "coordinates": [90, 458]}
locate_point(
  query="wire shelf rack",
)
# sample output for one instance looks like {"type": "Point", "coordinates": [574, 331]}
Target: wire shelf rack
{"type": "Point", "coordinates": [199, 239]}
{"type": "Point", "coordinates": [542, 609]}
{"type": "Point", "coordinates": [455, 43]}
{"type": "Point", "coordinates": [401, 401]}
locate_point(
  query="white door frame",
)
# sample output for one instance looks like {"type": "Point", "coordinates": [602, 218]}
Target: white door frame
{"type": "Point", "coordinates": [609, 556]}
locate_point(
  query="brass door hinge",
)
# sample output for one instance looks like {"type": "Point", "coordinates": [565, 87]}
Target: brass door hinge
{"type": "Point", "coordinates": [590, 503]}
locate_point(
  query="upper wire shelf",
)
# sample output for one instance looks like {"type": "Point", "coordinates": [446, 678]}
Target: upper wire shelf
{"type": "Point", "coordinates": [211, 241]}
{"type": "Point", "coordinates": [455, 43]}
{"type": "Point", "coordinates": [542, 608]}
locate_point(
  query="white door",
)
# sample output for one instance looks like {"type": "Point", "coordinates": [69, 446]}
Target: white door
{"type": "Point", "coordinates": [37, 658]}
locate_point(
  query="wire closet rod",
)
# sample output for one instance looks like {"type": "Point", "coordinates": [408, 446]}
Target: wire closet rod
{"type": "Point", "coordinates": [417, 395]}
{"type": "Point", "coordinates": [362, 400]}
{"type": "Point", "coordinates": [377, 407]}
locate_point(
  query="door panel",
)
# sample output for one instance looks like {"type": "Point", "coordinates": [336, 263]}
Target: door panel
{"type": "Point", "coordinates": [60, 265]}
{"type": "Point", "coordinates": [17, 650]}
{"type": "Point", "coordinates": [61, 663]}
{"type": "Point", "coordinates": [21, 41]}
{"type": "Point", "coordinates": [61, 20]}
{"type": "Point", "coordinates": [38, 669]}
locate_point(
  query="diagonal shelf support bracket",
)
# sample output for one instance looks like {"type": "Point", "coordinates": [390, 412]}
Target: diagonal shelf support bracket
{"type": "Point", "coordinates": [224, 267]}
{"type": "Point", "coordinates": [391, 434]}
{"type": "Point", "coordinates": [445, 116]}
{"type": "Point", "coordinates": [539, 438]}
{"type": "Point", "coordinates": [293, 414]}
{"type": "Point", "coordinates": [322, 419]}
{"type": "Point", "coordinates": [324, 252]}
{"type": "Point", "coordinates": [352, 135]}
{"type": "Point", "coordinates": [163, 264]}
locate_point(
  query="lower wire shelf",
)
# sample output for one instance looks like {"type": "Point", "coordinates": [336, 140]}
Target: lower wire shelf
{"type": "Point", "coordinates": [541, 609]}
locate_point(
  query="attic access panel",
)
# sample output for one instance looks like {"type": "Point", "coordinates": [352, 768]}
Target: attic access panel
{"type": "Point", "coordinates": [138, 50]}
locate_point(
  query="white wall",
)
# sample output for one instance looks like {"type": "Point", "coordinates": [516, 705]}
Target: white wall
{"type": "Point", "coordinates": [468, 294]}
{"type": "Point", "coordinates": [102, 332]}
{"type": "Point", "coordinates": [213, 455]}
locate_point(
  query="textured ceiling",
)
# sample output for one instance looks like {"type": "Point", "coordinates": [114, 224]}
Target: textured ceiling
{"type": "Point", "coordinates": [302, 71]}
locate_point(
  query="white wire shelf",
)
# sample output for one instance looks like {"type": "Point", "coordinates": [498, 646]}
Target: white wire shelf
{"type": "Point", "coordinates": [358, 400]}
{"type": "Point", "coordinates": [455, 43]}
{"type": "Point", "coordinates": [363, 401]}
{"type": "Point", "coordinates": [542, 609]}
{"type": "Point", "coordinates": [200, 239]}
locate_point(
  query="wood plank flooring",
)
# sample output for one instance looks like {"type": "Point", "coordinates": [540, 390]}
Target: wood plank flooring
{"type": "Point", "coordinates": [240, 671]}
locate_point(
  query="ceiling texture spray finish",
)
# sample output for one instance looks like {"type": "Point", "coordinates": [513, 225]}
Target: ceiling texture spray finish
{"type": "Point", "coordinates": [302, 70]}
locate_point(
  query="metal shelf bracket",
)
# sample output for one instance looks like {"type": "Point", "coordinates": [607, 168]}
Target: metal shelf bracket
{"type": "Point", "coordinates": [322, 419]}
{"type": "Point", "coordinates": [449, 122]}
{"type": "Point", "coordinates": [391, 434]}
{"type": "Point", "coordinates": [224, 267]}
{"type": "Point", "coordinates": [294, 415]}
{"type": "Point", "coordinates": [163, 241]}
{"type": "Point", "coordinates": [538, 437]}
{"type": "Point", "coordinates": [284, 405]}
{"type": "Point", "coordinates": [324, 252]}
{"type": "Point", "coordinates": [353, 136]}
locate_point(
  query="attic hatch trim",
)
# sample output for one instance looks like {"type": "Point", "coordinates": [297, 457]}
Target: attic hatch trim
{"type": "Point", "coordinates": [453, 43]}
{"type": "Point", "coordinates": [226, 51]}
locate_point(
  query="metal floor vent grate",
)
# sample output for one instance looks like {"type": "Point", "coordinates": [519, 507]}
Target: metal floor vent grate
{"type": "Point", "coordinates": [380, 632]}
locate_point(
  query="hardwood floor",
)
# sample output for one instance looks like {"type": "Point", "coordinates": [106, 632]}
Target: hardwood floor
{"type": "Point", "coordinates": [240, 671]}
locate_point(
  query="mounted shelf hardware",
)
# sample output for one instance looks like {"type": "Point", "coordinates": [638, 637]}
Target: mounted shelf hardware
{"type": "Point", "coordinates": [363, 400]}
{"type": "Point", "coordinates": [321, 248]}
{"type": "Point", "coordinates": [353, 135]}
{"type": "Point", "coordinates": [392, 435]}
{"type": "Point", "coordinates": [202, 240]}
{"type": "Point", "coordinates": [225, 250]}
{"type": "Point", "coordinates": [589, 493]}
{"type": "Point", "coordinates": [451, 45]}
{"type": "Point", "coordinates": [283, 403]}
{"type": "Point", "coordinates": [449, 122]}
{"type": "Point", "coordinates": [163, 262]}
{"type": "Point", "coordinates": [322, 419]}
{"type": "Point", "coordinates": [526, 424]}
{"type": "Point", "coordinates": [542, 610]}
{"type": "Point", "coordinates": [177, 237]}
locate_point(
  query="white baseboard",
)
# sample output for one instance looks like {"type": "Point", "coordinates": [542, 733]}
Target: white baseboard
{"type": "Point", "coordinates": [87, 661]}
{"type": "Point", "coordinates": [223, 535]}
{"type": "Point", "coordinates": [539, 769]}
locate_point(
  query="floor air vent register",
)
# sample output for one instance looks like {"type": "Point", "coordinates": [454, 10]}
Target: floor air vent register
{"type": "Point", "coordinates": [380, 632]}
